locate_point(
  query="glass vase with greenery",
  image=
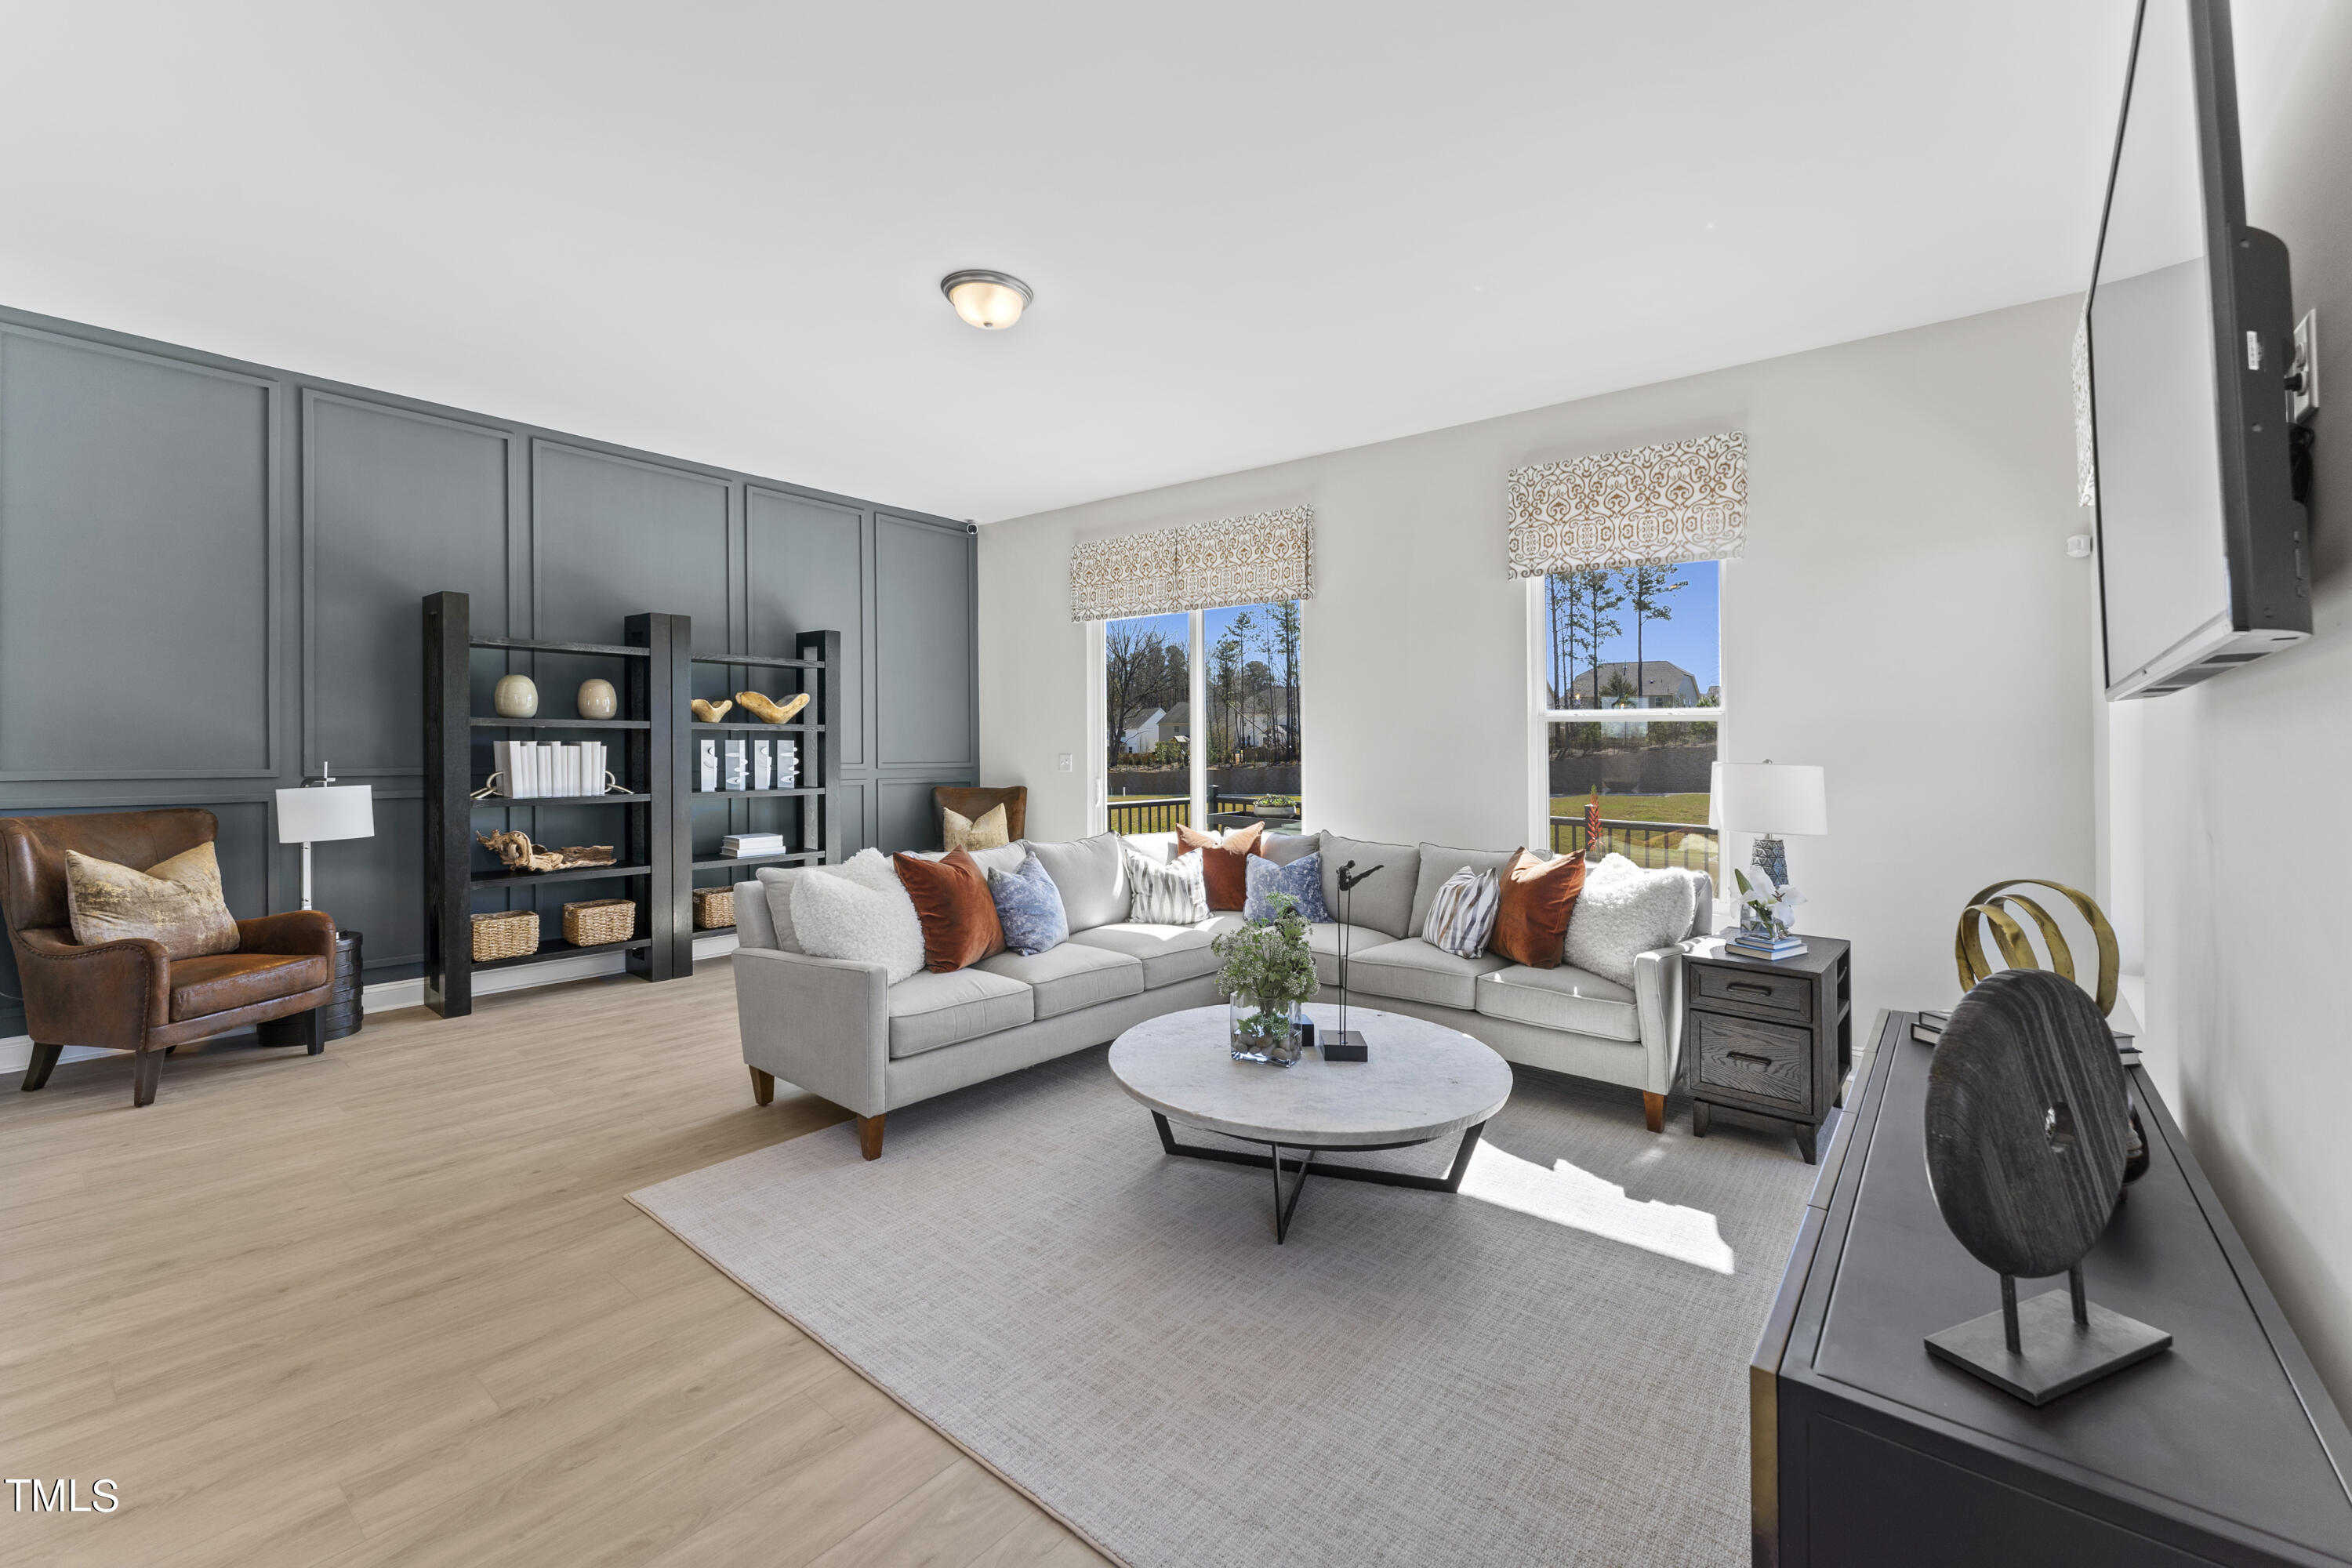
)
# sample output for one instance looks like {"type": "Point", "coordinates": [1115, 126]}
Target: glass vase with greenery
{"type": "Point", "coordinates": [1268, 970]}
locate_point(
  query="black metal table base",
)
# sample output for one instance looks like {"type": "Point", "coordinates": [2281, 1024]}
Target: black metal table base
{"type": "Point", "coordinates": [1274, 1161]}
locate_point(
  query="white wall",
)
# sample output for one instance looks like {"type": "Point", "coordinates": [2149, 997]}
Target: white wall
{"type": "Point", "coordinates": [2234, 803]}
{"type": "Point", "coordinates": [1905, 616]}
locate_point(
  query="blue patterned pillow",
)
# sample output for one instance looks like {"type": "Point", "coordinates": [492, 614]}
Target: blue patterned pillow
{"type": "Point", "coordinates": [1029, 908]}
{"type": "Point", "coordinates": [1302, 879]}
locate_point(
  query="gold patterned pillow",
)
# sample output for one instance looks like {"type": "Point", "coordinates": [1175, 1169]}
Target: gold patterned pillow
{"type": "Point", "coordinates": [177, 903]}
{"type": "Point", "coordinates": [958, 831]}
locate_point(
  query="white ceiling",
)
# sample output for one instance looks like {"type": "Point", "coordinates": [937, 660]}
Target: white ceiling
{"type": "Point", "coordinates": [1256, 231]}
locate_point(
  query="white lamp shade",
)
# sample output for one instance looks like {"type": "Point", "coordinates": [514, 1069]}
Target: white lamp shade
{"type": "Point", "coordinates": [1775, 798]}
{"type": "Point", "coordinates": [315, 816]}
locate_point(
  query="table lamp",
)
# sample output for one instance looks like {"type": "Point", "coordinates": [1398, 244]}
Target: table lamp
{"type": "Point", "coordinates": [321, 810]}
{"type": "Point", "coordinates": [1768, 799]}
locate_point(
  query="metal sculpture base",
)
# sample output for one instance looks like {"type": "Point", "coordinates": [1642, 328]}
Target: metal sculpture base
{"type": "Point", "coordinates": [2048, 1347]}
{"type": "Point", "coordinates": [1344, 1045]}
{"type": "Point", "coordinates": [1285, 1204]}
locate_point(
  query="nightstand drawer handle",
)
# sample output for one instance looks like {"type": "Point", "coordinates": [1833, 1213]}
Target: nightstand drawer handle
{"type": "Point", "coordinates": [1750, 986]}
{"type": "Point", "coordinates": [1747, 1059]}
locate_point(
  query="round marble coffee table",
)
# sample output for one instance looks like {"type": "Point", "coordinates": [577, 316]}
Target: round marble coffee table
{"type": "Point", "coordinates": [1423, 1082]}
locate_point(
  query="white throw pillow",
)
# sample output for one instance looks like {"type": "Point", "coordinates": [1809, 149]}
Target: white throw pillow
{"type": "Point", "coordinates": [867, 869]}
{"type": "Point", "coordinates": [1625, 911]}
{"type": "Point", "coordinates": [849, 917]}
{"type": "Point", "coordinates": [1172, 895]}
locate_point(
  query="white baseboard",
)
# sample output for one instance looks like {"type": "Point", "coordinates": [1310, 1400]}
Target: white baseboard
{"type": "Point", "coordinates": [386, 995]}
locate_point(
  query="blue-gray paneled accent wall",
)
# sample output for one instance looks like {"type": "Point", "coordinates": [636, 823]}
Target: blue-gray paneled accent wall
{"type": "Point", "coordinates": [209, 583]}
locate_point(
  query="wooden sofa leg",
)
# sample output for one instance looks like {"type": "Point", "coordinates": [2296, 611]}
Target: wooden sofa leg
{"type": "Point", "coordinates": [36, 1071]}
{"type": "Point", "coordinates": [763, 1087]}
{"type": "Point", "coordinates": [1653, 1110]}
{"type": "Point", "coordinates": [146, 1068]}
{"type": "Point", "coordinates": [869, 1136]}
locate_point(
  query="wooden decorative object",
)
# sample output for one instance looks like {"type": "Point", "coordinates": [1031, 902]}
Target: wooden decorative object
{"type": "Point", "coordinates": [2027, 1121]}
{"type": "Point", "coordinates": [593, 922]}
{"type": "Point", "coordinates": [710, 712]}
{"type": "Point", "coordinates": [505, 934]}
{"type": "Point", "coordinates": [770, 711]}
{"type": "Point", "coordinates": [1991, 907]}
{"type": "Point", "coordinates": [714, 908]}
{"type": "Point", "coordinates": [517, 853]}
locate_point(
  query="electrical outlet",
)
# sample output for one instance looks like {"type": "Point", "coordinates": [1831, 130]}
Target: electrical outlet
{"type": "Point", "coordinates": [1063, 762]}
{"type": "Point", "coordinates": [2078, 546]}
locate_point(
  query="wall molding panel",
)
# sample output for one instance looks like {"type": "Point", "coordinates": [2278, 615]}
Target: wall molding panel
{"type": "Point", "coordinates": [262, 541]}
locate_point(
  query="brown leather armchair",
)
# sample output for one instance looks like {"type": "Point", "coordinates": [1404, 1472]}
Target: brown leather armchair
{"type": "Point", "coordinates": [131, 995]}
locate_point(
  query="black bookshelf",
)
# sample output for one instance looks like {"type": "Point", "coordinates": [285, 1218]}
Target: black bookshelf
{"type": "Point", "coordinates": [809, 825]}
{"type": "Point", "coordinates": [650, 839]}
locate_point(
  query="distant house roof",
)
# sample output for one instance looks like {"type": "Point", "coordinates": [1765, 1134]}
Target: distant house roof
{"type": "Point", "coordinates": [1659, 679]}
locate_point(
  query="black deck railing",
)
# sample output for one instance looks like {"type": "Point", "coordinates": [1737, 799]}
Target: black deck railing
{"type": "Point", "coordinates": [1655, 845]}
{"type": "Point", "coordinates": [1149, 814]}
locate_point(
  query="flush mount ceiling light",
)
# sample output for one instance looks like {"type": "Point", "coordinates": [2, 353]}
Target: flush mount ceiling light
{"type": "Point", "coordinates": [987, 299]}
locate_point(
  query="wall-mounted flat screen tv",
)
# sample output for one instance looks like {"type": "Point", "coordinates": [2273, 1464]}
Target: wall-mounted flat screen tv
{"type": "Point", "coordinates": [2202, 557]}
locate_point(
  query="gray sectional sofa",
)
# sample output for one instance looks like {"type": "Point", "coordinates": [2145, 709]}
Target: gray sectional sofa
{"type": "Point", "coordinates": [841, 1030]}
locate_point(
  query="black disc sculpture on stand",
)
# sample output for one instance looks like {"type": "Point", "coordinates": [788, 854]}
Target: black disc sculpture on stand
{"type": "Point", "coordinates": [1344, 1044]}
{"type": "Point", "coordinates": [2027, 1123]}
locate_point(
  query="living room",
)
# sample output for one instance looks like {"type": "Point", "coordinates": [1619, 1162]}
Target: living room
{"type": "Point", "coordinates": [1316, 787]}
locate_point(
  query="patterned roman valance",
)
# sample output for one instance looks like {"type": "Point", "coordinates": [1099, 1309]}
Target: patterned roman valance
{"type": "Point", "coordinates": [1678, 501]}
{"type": "Point", "coordinates": [1260, 559]}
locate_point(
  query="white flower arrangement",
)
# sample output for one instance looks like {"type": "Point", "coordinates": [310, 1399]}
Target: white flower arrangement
{"type": "Point", "coordinates": [1766, 905]}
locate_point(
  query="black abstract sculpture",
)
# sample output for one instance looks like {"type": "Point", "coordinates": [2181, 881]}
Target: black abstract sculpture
{"type": "Point", "coordinates": [1344, 1044]}
{"type": "Point", "coordinates": [2027, 1125]}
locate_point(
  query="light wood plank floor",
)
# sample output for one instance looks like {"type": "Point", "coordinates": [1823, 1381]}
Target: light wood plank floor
{"type": "Point", "coordinates": [390, 1306]}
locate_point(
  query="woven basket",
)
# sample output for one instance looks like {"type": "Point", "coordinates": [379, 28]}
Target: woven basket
{"type": "Point", "coordinates": [599, 920]}
{"type": "Point", "coordinates": [714, 908]}
{"type": "Point", "coordinates": [505, 934]}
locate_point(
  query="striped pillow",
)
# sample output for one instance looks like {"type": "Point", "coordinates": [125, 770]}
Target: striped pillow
{"type": "Point", "coordinates": [1170, 895]}
{"type": "Point", "coordinates": [1461, 915]}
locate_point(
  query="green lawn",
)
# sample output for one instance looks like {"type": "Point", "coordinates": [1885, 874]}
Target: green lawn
{"type": "Point", "coordinates": [1688, 808]}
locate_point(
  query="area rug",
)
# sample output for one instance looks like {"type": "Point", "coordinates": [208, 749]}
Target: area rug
{"type": "Point", "coordinates": [1549, 1368]}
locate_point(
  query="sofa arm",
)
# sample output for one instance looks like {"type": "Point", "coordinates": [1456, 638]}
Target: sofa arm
{"type": "Point", "coordinates": [1658, 1003]}
{"type": "Point", "coordinates": [821, 1022]}
{"type": "Point", "coordinates": [303, 934]}
{"type": "Point", "coordinates": [109, 993]}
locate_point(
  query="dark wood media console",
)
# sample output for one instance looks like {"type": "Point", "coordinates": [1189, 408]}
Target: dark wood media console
{"type": "Point", "coordinates": [1865, 1450]}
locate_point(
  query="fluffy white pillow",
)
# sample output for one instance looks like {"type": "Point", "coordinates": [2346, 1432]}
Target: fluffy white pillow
{"type": "Point", "coordinates": [867, 869]}
{"type": "Point", "coordinates": [1625, 912]}
{"type": "Point", "coordinates": [863, 915]}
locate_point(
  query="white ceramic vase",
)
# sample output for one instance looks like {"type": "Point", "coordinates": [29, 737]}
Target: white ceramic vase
{"type": "Point", "coordinates": [515, 697]}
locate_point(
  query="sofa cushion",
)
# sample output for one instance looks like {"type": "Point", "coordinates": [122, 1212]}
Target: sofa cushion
{"type": "Point", "coordinates": [867, 868]}
{"type": "Point", "coordinates": [1070, 977]}
{"type": "Point", "coordinates": [849, 917]}
{"type": "Point", "coordinates": [1563, 997]}
{"type": "Point", "coordinates": [222, 982]}
{"type": "Point", "coordinates": [1625, 911]}
{"type": "Point", "coordinates": [1029, 908]}
{"type": "Point", "coordinates": [1323, 940]}
{"type": "Point", "coordinates": [1002, 858]}
{"type": "Point", "coordinates": [958, 914]}
{"type": "Point", "coordinates": [1439, 861]}
{"type": "Point", "coordinates": [1538, 897]}
{"type": "Point", "coordinates": [1172, 892]}
{"type": "Point", "coordinates": [1282, 849]}
{"type": "Point", "coordinates": [1168, 953]}
{"type": "Point", "coordinates": [1415, 971]}
{"type": "Point", "coordinates": [1300, 881]}
{"type": "Point", "coordinates": [1092, 876]}
{"type": "Point", "coordinates": [1384, 900]}
{"type": "Point", "coordinates": [1223, 861]}
{"type": "Point", "coordinates": [929, 1010]}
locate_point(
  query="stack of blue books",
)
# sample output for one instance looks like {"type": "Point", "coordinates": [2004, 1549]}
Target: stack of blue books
{"type": "Point", "coordinates": [1746, 943]}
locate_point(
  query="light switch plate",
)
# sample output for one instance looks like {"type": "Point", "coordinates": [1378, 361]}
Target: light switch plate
{"type": "Point", "coordinates": [1063, 762]}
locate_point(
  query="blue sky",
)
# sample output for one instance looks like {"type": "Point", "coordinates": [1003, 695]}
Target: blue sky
{"type": "Point", "coordinates": [1693, 638]}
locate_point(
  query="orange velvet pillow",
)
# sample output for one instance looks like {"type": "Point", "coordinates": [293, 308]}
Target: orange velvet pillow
{"type": "Point", "coordinates": [958, 915]}
{"type": "Point", "coordinates": [1224, 863]}
{"type": "Point", "coordinates": [1537, 898]}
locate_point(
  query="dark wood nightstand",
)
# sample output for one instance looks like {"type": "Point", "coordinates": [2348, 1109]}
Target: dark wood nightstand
{"type": "Point", "coordinates": [1766, 1043]}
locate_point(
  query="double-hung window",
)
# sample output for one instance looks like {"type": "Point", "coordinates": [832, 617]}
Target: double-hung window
{"type": "Point", "coordinates": [1629, 676]}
